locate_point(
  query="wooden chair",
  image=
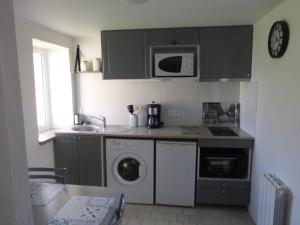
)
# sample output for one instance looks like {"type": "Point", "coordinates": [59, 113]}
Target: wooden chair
{"type": "Point", "coordinates": [58, 174]}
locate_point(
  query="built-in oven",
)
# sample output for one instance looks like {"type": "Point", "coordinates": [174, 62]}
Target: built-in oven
{"type": "Point", "coordinates": [223, 163]}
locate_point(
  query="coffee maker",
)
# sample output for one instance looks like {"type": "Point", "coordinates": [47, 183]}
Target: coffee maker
{"type": "Point", "coordinates": [153, 115]}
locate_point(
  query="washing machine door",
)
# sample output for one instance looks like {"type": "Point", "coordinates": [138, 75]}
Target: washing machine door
{"type": "Point", "coordinates": [129, 169]}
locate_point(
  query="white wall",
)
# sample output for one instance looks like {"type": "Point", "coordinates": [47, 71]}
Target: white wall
{"type": "Point", "coordinates": [248, 100]}
{"type": "Point", "coordinates": [38, 155]}
{"type": "Point", "coordinates": [277, 138]}
{"type": "Point", "coordinates": [110, 97]}
{"type": "Point", "coordinates": [15, 205]}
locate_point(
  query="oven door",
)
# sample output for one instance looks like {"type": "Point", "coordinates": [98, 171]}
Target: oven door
{"type": "Point", "coordinates": [223, 163]}
{"type": "Point", "coordinates": [218, 166]}
{"type": "Point", "coordinates": [174, 64]}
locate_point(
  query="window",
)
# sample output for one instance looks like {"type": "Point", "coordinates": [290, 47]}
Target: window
{"type": "Point", "coordinates": [53, 85]}
{"type": "Point", "coordinates": [41, 89]}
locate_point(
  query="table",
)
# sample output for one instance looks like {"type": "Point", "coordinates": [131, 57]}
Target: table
{"type": "Point", "coordinates": [42, 214]}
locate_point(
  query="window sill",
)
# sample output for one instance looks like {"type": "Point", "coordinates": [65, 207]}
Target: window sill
{"type": "Point", "coordinates": [46, 137]}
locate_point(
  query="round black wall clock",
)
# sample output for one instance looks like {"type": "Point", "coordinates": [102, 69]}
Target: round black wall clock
{"type": "Point", "coordinates": [278, 39]}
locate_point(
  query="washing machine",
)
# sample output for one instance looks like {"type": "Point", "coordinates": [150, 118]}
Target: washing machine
{"type": "Point", "coordinates": [130, 168]}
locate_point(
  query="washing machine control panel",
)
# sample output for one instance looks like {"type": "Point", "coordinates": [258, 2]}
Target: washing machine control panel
{"type": "Point", "coordinates": [122, 144]}
{"type": "Point", "coordinates": [128, 144]}
{"type": "Point", "coordinates": [113, 142]}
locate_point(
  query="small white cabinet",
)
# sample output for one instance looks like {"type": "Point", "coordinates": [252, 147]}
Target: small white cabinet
{"type": "Point", "coordinates": [175, 173]}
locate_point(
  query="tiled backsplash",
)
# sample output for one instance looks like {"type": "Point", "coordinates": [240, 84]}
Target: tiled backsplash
{"type": "Point", "coordinates": [110, 97]}
{"type": "Point", "coordinates": [221, 113]}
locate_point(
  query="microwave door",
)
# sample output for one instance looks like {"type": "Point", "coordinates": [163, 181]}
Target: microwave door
{"type": "Point", "coordinates": [171, 64]}
{"type": "Point", "coordinates": [168, 65]}
{"type": "Point", "coordinates": [174, 64]}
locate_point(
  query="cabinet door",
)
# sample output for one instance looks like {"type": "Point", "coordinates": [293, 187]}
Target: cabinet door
{"type": "Point", "coordinates": [171, 36]}
{"type": "Point", "coordinates": [226, 52]}
{"type": "Point", "coordinates": [125, 54]}
{"type": "Point", "coordinates": [66, 156]}
{"type": "Point", "coordinates": [89, 155]}
{"type": "Point", "coordinates": [175, 173]}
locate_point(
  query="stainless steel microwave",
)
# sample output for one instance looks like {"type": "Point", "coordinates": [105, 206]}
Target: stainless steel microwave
{"type": "Point", "coordinates": [174, 61]}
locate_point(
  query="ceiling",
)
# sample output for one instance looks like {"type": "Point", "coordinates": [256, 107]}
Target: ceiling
{"type": "Point", "coordinates": [83, 18]}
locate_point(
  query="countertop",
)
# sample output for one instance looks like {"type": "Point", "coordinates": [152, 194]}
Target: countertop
{"type": "Point", "coordinates": [46, 136]}
{"type": "Point", "coordinates": [182, 132]}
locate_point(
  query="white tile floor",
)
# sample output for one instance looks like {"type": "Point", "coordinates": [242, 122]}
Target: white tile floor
{"type": "Point", "coordinates": [136, 214]}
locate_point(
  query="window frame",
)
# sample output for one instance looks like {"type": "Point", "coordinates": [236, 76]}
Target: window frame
{"type": "Point", "coordinates": [46, 86]}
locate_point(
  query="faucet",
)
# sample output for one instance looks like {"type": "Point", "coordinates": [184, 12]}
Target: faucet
{"type": "Point", "coordinates": [100, 118]}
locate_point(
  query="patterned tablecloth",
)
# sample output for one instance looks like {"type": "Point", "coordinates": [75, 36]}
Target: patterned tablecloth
{"type": "Point", "coordinates": [82, 210]}
{"type": "Point", "coordinates": [43, 193]}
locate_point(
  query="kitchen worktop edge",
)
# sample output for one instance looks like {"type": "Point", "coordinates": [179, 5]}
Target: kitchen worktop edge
{"type": "Point", "coordinates": [195, 132]}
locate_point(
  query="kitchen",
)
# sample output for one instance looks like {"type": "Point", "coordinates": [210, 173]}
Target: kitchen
{"type": "Point", "coordinates": [265, 100]}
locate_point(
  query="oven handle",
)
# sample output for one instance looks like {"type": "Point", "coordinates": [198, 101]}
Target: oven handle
{"type": "Point", "coordinates": [221, 158]}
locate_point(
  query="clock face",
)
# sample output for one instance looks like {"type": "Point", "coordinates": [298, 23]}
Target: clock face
{"type": "Point", "coordinates": [278, 39]}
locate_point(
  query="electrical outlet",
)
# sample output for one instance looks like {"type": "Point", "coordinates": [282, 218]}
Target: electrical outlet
{"type": "Point", "coordinates": [174, 113]}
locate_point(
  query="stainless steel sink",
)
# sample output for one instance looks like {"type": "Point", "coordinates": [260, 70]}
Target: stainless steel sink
{"type": "Point", "coordinates": [100, 129]}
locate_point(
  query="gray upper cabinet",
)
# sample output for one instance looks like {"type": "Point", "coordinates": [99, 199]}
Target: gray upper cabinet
{"type": "Point", "coordinates": [125, 54]}
{"type": "Point", "coordinates": [89, 155]}
{"type": "Point", "coordinates": [226, 52]}
{"type": "Point", "coordinates": [174, 36]}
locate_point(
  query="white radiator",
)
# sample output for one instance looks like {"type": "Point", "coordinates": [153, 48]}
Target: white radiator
{"type": "Point", "coordinates": [272, 201]}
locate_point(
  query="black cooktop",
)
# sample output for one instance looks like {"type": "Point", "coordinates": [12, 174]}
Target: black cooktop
{"type": "Point", "coordinates": [222, 131]}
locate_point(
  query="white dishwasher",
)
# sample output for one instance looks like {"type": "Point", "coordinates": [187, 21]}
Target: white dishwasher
{"type": "Point", "coordinates": [175, 173]}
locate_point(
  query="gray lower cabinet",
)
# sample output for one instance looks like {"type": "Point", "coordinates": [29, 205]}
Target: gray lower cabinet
{"type": "Point", "coordinates": [81, 155]}
{"type": "Point", "coordinates": [224, 192]}
{"type": "Point", "coordinates": [89, 160]}
{"type": "Point", "coordinates": [66, 156]}
{"type": "Point", "coordinates": [174, 36]}
{"type": "Point", "coordinates": [125, 54]}
{"type": "Point", "coordinates": [226, 52]}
